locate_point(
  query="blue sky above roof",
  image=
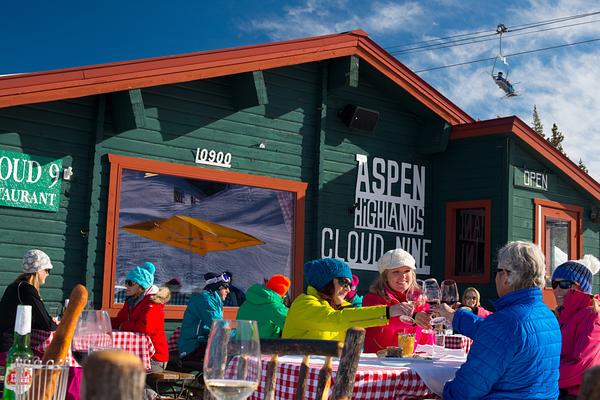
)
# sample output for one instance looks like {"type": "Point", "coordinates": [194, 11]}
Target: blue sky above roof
{"type": "Point", "coordinates": [562, 82]}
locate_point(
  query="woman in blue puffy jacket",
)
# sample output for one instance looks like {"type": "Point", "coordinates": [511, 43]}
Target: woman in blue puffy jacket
{"type": "Point", "coordinates": [516, 351]}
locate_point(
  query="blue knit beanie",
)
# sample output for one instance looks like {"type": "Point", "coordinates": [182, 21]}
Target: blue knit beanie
{"type": "Point", "coordinates": [143, 275]}
{"type": "Point", "coordinates": [320, 272]}
{"type": "Point", "coordinates": [580, 271]}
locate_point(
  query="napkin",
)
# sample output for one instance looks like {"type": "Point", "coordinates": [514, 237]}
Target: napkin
{"type": "Point", "coordinates": [439, 352]}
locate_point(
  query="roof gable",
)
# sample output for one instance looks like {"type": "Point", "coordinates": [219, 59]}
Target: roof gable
{"type": "Point", "coordinates": [541, 146]}
{"type": "Point", "coordinates": [106, 78]}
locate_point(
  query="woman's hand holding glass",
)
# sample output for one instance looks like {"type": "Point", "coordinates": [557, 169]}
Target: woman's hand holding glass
{"type": "Point", "coordinates": [401, 310]}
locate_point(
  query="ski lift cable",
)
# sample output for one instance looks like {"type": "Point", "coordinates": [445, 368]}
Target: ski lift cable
{"type": "Point", "coordinates": [442, 46]}
{"type": "Point", "coordinates": [492, 32]}
{"type": "Point", "coordinates": [507, 55]}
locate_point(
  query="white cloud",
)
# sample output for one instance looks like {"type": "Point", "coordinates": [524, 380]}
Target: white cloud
{"type": "Point", "coordinates": [319, 17]}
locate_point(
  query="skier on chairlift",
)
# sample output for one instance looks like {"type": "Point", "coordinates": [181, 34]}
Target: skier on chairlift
{"type": "Point", "coordinates": [504, 84]}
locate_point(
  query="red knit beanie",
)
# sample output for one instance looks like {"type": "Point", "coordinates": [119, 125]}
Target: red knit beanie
{"type": "Point", "coordinates": [279, 284]}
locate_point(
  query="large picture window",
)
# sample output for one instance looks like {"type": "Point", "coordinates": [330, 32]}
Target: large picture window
{"type": "Point", "coordinates": [188, 221]}
{"type": "Point", "coordinates": [468, 237]}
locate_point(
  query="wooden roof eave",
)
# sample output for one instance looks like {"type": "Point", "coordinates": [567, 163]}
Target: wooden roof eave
{"type": "Point", "coordinates": [84, 81]}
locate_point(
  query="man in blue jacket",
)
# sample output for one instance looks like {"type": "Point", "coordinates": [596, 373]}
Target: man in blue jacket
{"type": "Point", "coordinates": [516, 351]}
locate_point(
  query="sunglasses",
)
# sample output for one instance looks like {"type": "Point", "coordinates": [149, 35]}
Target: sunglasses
{"type": "Point", "coordinates": [129, 283]}
{"type": "Point", "coordinates": [470, 297]}
{"type": "Point", "coordinates": [562, 284]}
{"type": "Point", "coordinates": [498, 270]}
{"type": "Point", "coordinates": [345, 283]}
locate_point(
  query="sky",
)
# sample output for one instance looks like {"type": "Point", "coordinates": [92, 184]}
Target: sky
{"type": "Point", "coordinates": [561, 82]}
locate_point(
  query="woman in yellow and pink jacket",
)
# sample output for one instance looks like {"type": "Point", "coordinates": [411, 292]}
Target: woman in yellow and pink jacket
{"type": "Point", "coordinates": [322, 312]}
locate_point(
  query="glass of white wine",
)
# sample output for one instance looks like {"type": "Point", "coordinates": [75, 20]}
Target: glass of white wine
{"type": "Point", "coordinates": [232, 366]}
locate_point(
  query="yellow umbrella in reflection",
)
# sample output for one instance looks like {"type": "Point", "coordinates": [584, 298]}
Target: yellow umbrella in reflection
{"type": "Point", "coordinates": [193, 234]}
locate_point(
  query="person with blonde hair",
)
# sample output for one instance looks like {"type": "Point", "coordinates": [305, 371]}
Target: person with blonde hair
{"type": "Point", "coordinates": [397, 273]}
{"type": "Point", "coordinates": [579, 319]}
{"type": "Point", "coordinates": [25, 290]}
{"type": "Point", "coordinates": [471, 299]}
{"type": "Point", "coordinates": [516, 350]}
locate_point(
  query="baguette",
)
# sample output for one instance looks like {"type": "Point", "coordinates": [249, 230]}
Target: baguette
{"type": "Point", "coordinates": [58, 350]}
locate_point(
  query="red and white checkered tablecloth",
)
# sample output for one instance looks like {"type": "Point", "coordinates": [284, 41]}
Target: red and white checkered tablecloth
{"type": "Point", "coordinates": [458, 342]}
{"type": "Point", "coordinates": [133, 342]}
{"type": "Point", "coordinates": [373, 382]}
{"type": "Point", "coordinates": [172, 340]}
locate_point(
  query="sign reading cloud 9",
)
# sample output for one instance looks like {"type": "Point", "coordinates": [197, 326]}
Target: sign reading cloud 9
{"type": "Point", "coordinates": [389, 198]}
{"type": "Point", "coordinates": [29, 181]}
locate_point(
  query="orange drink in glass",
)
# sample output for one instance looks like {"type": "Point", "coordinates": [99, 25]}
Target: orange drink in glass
{"type": "Point", "coordinates": [406, 342]}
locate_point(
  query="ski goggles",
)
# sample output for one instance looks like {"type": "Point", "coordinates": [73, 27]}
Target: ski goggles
{"type": "Point", "coordinates": [224, 278]}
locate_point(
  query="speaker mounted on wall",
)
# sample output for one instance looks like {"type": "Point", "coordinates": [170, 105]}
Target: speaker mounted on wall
{"type": "Point", "coordinates": [359, 118]}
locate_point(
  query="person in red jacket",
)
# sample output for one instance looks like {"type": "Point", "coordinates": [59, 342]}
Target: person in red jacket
{"type": "Point", "coordinates": [143, 311]}
{"type": "Point", "coordinates": [579, 319]}
{"type": "Point", "coordinates": [396, 275]}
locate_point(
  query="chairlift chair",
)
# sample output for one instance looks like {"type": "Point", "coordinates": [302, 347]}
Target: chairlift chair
{"type": "Point", "coordinates": [499, 77]}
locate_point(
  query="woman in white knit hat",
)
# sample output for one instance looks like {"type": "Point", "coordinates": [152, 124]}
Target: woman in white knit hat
{"type": "Point", "coordinates": [397, 273]}
{"type": "Point", "coordinates": [25, 289]}
{"type": "Point", "coordinates": [579, 319]}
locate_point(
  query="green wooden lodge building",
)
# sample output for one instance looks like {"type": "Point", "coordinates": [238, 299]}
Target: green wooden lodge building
{"type": "Point", "coordinates": [319, 147]}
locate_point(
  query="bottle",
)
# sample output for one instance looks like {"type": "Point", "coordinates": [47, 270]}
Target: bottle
{"type": "Point", "coordinates": [65, 308]}
{"type": "Point", "coordinates": [20, 349]}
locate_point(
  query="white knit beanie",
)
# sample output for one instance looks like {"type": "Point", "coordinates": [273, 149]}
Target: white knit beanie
{"type": "Point", "coordinates": [394, 259]}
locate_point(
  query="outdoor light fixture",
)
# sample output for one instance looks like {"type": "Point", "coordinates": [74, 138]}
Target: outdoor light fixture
{"type": "Point", "coordinates": [67, 173]}
{"type": "Point", "coordinates": [595, 215]}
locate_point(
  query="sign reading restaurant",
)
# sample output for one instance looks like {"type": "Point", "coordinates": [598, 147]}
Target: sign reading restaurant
{"type": "Point", "coordinates": [389, 198]}
{"type": "Point", "coordinates": [29, 181]}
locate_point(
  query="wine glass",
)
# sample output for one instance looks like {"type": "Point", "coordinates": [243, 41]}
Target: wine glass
{"type": "Point", "coordinates": [232, 361]}
{"type": "Point", "coordinates": [414, 297]}
{"type": "Point", "coordinates": [449, 292]}
{"type": "Point", "coordinates": [93, 332]}
{"type": "Point", "coordinates": [433, 296]}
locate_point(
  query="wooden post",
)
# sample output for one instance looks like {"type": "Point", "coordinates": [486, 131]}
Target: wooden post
{"type": "Point", "coordinates": [301, 388]}
{"type": "Point", "coordinates": [324, 382]}
{"type": "Point", "coordinates": [113, 375]}
{"type": "Point", "coordinates": [590, 388]}
{"type": "Point", "coordinates": [271, 378]}
{"type": "Point", "coordinates": [346, 372]}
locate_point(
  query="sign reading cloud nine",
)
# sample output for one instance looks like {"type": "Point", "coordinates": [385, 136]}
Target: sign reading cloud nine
{"type": "Point", "coordinates": [29, 181]}
{"type": "Point", "coordinates": [389, 197]}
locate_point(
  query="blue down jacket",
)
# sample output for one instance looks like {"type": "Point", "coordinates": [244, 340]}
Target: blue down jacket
{"type": "Point", "coordinates": [515, 352]}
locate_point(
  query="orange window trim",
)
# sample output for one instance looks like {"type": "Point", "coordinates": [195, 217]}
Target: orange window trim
{"type": "Point", "coordinates": [451, 208]}
{"type": "Point", "coordinates": [543, 208]}
{"type": "Point", "coordinates": [119, 162]}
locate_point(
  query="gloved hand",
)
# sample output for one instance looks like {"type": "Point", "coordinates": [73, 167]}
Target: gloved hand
{"type": "Point", "coordinates": [401, 309]}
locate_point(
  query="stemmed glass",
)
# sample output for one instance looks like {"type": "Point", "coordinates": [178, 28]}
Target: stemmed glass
{"type": "Point", "coordinates": [232, 361]}
{"type": "Point", "coordinates": [449, 292]}
{"type": "Point", "coordinates": [92, 333]}
{"type": "Point", "coordinates": [414, 297]}
{"type": "Point", "coordinates": [433, 296]}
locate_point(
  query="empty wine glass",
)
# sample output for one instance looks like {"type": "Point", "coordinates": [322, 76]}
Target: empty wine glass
{"type": "Point", "coordinates": [414, 297]}
{"type": "Point", "coordinates": [92, 333]}
{"type": "Point", "coordinates": [232, 361]}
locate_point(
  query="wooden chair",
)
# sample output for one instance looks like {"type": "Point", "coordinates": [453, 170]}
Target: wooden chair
{"type": "Point", "coordinates": [349, 353]}
{"type": "Point", "coordinates": [590, 388]}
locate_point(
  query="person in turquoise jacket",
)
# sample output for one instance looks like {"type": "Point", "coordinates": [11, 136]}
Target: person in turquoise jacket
{"type": "Point", "coordinates": [516, 351]}
{"type": "Point", "coordinates": [264, 304]}
{"type": "Point", "coordinates": [203, 308]}
{"type": "Point", "coordinates": [323, 312]}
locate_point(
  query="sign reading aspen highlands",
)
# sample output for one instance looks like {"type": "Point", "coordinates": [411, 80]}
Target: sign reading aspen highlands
{"type": "Point", "coordinates": [29, 181]}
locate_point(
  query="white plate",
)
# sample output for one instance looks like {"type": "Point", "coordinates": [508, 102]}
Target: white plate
{"type": "Point", "coordinates": [401, 362]}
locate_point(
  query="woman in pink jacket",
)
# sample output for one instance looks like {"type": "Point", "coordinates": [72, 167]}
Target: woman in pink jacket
{"type": "Point", "coordinates": [579, 320]}
{"type": "Point", "coordinates": [472, 299]}
{"type": "Point", "coordinates": [396, 275]}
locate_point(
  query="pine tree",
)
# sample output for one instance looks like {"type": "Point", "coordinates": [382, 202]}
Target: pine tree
{"type": "Point", "coordinates": [537, 123]}
{"type": "Point", "coordinates": [582, 166]}
{"type": "Point", "coordinates": [557, 138]}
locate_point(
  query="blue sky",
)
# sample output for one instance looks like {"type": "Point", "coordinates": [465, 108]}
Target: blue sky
{"type": "Point", "coordinates": [563, 83]}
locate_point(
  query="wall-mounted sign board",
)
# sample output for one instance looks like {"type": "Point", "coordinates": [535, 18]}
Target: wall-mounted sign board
{"type": "Point", "coordinates": [28, 181]}
{"type": "Point", "coordinates": [531, 179]}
